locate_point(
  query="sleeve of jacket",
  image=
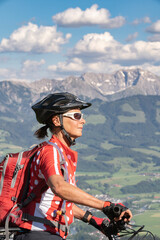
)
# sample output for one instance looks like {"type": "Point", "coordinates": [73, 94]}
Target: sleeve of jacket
{"type": "Point", "coordinates": [50, 162]}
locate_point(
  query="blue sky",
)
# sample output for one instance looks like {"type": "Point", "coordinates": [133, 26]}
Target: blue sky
{"type": "Point", "coordinates": [55, 39]}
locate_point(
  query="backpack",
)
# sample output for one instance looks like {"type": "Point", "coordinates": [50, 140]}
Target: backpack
{"type": "Point", "coordinates": [14, 185]}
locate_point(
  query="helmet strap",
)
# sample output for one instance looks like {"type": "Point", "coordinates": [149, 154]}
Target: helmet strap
{"type": "Point", "coordinates": [66, 134]}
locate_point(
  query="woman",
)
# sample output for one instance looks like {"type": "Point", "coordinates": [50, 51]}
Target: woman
{"type": "Point", "coordinates": [55, 209]}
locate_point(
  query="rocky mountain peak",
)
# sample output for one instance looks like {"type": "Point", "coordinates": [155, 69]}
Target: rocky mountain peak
{"type": "Point", "coordinates": [114, 86]}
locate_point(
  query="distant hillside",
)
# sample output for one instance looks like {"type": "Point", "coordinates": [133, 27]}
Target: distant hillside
{"type": "Point", "coordinates": [123, 128]}
{"type": "Point", "coordinates": [113, 129]}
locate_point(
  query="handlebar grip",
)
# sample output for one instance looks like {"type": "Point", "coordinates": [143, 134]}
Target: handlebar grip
{"type": "Point", "coordinates": [117, 211]}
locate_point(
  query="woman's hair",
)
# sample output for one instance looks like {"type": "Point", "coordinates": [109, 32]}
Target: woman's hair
{"type": "Point", "coordinates": [42, 132]}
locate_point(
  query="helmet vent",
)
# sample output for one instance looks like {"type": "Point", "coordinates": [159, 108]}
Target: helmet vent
{"type": "Point", "coordinates": [61, 103]}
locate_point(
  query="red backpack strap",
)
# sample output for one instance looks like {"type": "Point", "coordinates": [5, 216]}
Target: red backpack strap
{"type": "Point", "coordinates": [42, 187]}
{"type": "Point", "coordinates": [64, 170]}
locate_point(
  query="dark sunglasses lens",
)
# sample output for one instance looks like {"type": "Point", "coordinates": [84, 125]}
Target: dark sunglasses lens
{"type": "Point", "coordinates": [77, 116]}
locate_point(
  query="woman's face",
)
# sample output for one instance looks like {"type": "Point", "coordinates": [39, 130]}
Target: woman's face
{"type": "Point", "coordinates": [72, 126]}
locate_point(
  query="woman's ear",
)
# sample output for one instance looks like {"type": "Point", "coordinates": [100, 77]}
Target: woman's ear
{"type": "Point", "coordinates": [56, 121]}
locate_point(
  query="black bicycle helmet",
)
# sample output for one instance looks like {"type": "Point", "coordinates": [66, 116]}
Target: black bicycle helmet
{"type": "Point", "coordinates": [57, 103]}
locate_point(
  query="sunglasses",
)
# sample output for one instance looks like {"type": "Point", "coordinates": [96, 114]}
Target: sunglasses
{"type": "Point", "coordinates": [74, 115]}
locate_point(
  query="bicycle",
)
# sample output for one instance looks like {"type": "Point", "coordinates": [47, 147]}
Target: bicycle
{"type": "Point", "coordinates": [126, 229]}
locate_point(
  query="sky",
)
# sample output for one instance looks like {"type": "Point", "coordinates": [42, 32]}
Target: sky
{"type": "Point", "coordinates": [56, 39]}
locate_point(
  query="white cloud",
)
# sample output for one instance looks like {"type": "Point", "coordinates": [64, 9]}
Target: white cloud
{"type": "Point", "coordinates": [75, 17]}
{"type": "Point", "coordinates": [146, 20]}
{"type": "Point", "coordinates": [93, 53]}
{"type": "Point", "coordinates": [102, 53]}
{"type": "Point", "coordinates": [104, 46]}
{"type": "Point", "coordinates": [95, 45]}
{"type": "Point", "coordinates": [30, 65]}
{"type": "Point", "coordinates": [75, 65]}
{"type": "Point", "coordinates": [154, 28]}
{"type": "Point", "coordinates": [7, 74]}
{"type": "Point", "coordinates": [141, 20]}
{"type": "Point", "coordinates": [4, 72]}
{"type": "Point", "coordinates": [154, 38]}
{"type": "Point", "coordinates": [131, 37]}
{"type": "Point", "coordinates": [30, 70]}
{"type": "Point", "coordinates": [31, 38]}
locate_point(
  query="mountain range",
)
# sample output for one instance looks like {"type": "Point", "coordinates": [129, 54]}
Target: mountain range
{"type": "Point", "coordinates": [108, 87]}
{"type": "Point", "coordinates": [16, 98]}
